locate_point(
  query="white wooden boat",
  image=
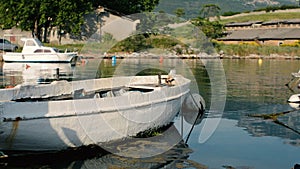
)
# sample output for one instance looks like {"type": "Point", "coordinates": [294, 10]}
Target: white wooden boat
{"type": "Point", "coordinates": [34, 51]}
{"type": "Point", "coordinates": [71, 114]}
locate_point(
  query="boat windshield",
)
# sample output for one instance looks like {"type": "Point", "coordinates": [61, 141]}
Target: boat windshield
{"type": "Point", "coordinates": [39, 42]}
{"type": "Point", "coordinates": [55, 49]}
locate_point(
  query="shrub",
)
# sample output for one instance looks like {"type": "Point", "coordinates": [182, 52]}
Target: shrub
{"type": "Point", "coordinates": [245, 49]}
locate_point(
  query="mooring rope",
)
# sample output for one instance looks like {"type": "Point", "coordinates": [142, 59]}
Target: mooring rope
{"type": "Point", "coordinates": [199, 115]}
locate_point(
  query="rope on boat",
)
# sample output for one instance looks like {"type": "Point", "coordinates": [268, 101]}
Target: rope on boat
{"type": "Point", "coordinates": [199, 115]}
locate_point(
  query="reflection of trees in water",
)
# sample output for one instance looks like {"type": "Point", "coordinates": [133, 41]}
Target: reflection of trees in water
{"type": "Point", "coordinates": [274, 117]}
{"type": "Point", "coordinates": [249, 80]}
{"type": "Point", "coordinates": [256, 119]}
{"type": "Point", "coordinates": [284, 124]}
{"type": "Point", "coordinates": [202, 79]}
{"type": "Point", "coordinates": [254, 88]}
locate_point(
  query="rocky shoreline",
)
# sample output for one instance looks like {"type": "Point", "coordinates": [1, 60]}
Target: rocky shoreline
{"type": "Point", "coordinates": [255, 56]}
{"type": "Point", "coordinates": [201, 56]}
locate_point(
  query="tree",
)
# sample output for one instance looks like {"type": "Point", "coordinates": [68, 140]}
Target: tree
{"type": "Point", "coordinates": [212, 29]}
{"type": "Point", "coordinates": [70, 16]}
{"type": "Point", "coordinates": [210, 10]}
{"type": "Point", "coordinates": [179, 12]}
{"type": "Point", "coordinates": [20, 13]}
{"type": "Point", "coordinates": [127, 7]}
{"type": "Point", "coordinates": [35, 15]}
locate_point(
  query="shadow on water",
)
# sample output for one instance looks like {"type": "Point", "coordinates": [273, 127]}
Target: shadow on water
{"type": "Point", "coordinates": [52, 159]}
{"type": "Point", "coordinates": [94, 156]}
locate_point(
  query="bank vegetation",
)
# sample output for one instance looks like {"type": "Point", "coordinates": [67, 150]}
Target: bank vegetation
{"type": "Point", "coordinates": [256, 50]}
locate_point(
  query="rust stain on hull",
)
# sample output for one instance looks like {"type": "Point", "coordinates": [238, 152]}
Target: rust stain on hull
{"type": "Point", "coordinates": [15, 125]}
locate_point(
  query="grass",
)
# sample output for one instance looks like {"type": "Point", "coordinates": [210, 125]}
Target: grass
{"type": "Point", "coordinates": [263, 17]}
{"type": "Point", "coordinates": [247, 49]}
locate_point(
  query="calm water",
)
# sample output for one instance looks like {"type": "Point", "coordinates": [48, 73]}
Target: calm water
{"type": "Point", "coordinates": [227, 136]}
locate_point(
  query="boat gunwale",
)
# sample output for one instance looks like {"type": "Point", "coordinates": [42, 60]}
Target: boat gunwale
{"type": "Point", "coordinates": [13, 92]}
{"type": "Point", "coordinates": [97, 112]}
{"type": "Point", "coordinates": [106, 109]}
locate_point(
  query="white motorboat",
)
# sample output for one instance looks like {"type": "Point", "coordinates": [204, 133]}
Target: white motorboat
{"type": "Point", "coordinates": [34, 51]}
{"type": "Point", "coordinates": [71, 114]}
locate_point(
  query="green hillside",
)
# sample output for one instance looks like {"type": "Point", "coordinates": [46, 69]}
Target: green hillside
{"type": "Point", "coordinates": [192, 7]}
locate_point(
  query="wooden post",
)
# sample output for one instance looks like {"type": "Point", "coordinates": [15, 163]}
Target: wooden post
{"type": "Point", "coordinates": [57, 73]}
{"type": "Point", "coordinates": [159, 79]}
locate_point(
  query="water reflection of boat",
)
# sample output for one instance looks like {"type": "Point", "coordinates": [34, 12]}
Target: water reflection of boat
{"type": "Point", "coordinates": [295, 105]}
{"type": "Point", "coordinates": [71, 114]}
{"type": "Point", "coordinates": [95, 157]}
{"type": "Point", "coordinates": [39, 72]}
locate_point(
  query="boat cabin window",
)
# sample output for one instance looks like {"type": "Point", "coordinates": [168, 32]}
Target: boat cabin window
{"type": "Point", "coordinates": [38, 51]}
{"type": "Point", "coordinates": [42, 51]}
{"type": "Point", "coordinates": [30, 43]}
